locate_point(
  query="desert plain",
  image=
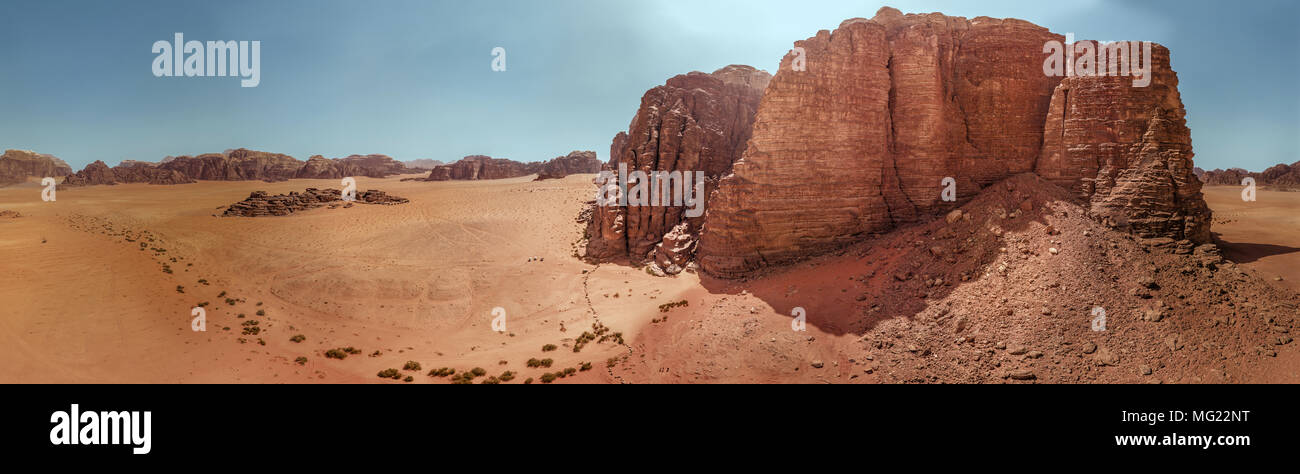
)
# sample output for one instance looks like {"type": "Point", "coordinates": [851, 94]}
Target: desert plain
{"type": "Point", "coordinates": [99, 287]}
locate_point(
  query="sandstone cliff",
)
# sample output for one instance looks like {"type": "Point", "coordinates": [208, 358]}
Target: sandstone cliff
{"type": "Point", "coordinates": [861, 140]}
{"type": "Point", "coordinates": [694, 122]}
{"type": "Point", "coordinates": [1276, 175]}
{"type": "Point", "coordinates": [576, 162]}
{"type": "Point", "coordinates": [237, 165]}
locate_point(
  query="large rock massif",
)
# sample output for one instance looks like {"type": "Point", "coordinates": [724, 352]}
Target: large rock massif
{"type": "Point", "coordinates": [18, 165]}
{"type": "Point", "coordinates": [860, 139]}
{"type": "Point", "coordinates": [694, 122]}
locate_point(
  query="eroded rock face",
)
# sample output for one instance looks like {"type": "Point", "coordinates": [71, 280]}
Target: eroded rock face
{"type": "Point", "coordinates": [861, 140]}
{"type": "Point", "coordinates": [694, 122]}
{"type": "Point", "coordinates": [1128, 151]}
{"type": "Point", "coordinates": [18, 165]}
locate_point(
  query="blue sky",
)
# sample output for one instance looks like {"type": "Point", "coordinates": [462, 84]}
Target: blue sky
{"type": "Point", "coordinates": [413, 79]}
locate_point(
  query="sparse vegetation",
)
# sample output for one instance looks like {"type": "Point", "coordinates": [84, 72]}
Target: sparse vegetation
{"type": "Point", "coordinates": [390, 374]}
{"type": "Point", "coordinates": [478, 371]}
{"type": "Point", "coordinates": [664, 308]}
{"type": "Point", "coordinates": [443, 372]}
{"type": "Point", "coordinates": [298, 338]}
{"type": "Point", "coordinates": [548, 348]}
{"type": "Point", "coordinates": [585, 366]}
{"type": "Point", "coordinates": [411, 365]}
{"type": "Point", "coordinates": [336, 354]}
{"type": "Point", "coordinates": [180, 289]}
{"type": "Point", "coordinates": [548, 377]}
{"type": "Point", "coordinates": [535, 363]}
{"type": "Point", "coordinates": [507, 376]}
{"type": "Point", "coordinates": [301, 360]}
{"type": "Point", "coordinates": [261, 312]}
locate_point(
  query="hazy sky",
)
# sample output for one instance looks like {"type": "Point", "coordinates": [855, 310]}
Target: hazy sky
{"type": "Point", "coordinates": [413, 79]}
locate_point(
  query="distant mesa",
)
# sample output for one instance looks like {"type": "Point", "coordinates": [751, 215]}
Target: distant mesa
{"type": "Point", "coordinates": [1280, 175]}
{"type": "Point", "coordinates": [16, 166]}
{"type": "Point", "coordinates": [480, 167]}
{"type": "Point", "coordinates": [260, 204]}
{"type": "Point", "coordinates": [423, 164]}
{"type": "Point", "coordinates": [236, 165]}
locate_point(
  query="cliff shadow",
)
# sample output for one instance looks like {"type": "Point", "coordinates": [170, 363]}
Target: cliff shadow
{"type": "Point", "coordinates": [1246, 252]}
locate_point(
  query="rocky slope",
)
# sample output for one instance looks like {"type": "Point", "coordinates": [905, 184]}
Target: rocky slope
{"type": "Point", "coordinates": [260, 203]}
{"type": "Point", "coordinates": [694, 122]}
{"type": "Point", "coordinates": [18, 165]}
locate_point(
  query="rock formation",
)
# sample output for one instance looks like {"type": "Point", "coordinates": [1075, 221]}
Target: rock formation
{"type": "Point", "coordinates": [1128, 150]}
{"type": "Point", "coordinates": [259, 203]}
{"type": "Point", "coordinates": [422, 164]}
{"type": "Point", "coordinates": [694, 122]}
{"type": "Point", "coordinates": [481, 167]}
{"type": "Point", "coordinates": [861, 128]}
{"type": "Point", "coordinates": [237, 165]}
{"type": "Point", "coordinates": [18, 165]}
{"type": "Point", "coordinates": [485, 167]}
{"type": "Point", "coordinates": [129, 171]}
{"type": "Point", "coordinates": [861, 140]}
{"type": "Point", "coordinates": [576, 162]}
{"type": "Point", "coordinates": [1276, 175]}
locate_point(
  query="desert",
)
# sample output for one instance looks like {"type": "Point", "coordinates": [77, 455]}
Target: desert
{"type": "Point", "coordinates": [907, 198]}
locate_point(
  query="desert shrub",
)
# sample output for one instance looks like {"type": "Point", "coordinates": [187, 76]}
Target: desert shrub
{"type": "Point", "coordinates": [507, 376]}
{"type": "Point", "coordinates": [261, 312]}
{"type": "Point", "coordinates": [336, 354]}
{"type": "Point", "coordinates": [528, 381]}
{"type": "Point", "coordinates": [443, 372]}
{"type": "Point", "coordinates": [548, 348]}
{"type": "Point", "coordinates": [390, 374]}
{"type": "Point", "coordinates": [408, 378]}
{"type": "Point", "coordinates": [490, 381]}
{"type": "Point", "coordinates": [548, 377]}
{"type": "Point", "coordinates": [411, 365]}
{"type": "Point", "coordinates": [301, 360]}
{"type": "Point", "coordinates": [585, 366]}
{"type": "Point", "coordinates": [298, 338]}
{"type": "Point", "coordinates": [180, 289]}
{"type": "Point", "coordinates": [479, 372]}
{"type": "Point", "coordinates": [351, 350]}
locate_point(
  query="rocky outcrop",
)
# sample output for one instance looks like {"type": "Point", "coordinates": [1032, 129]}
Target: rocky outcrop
{"type": "Point", "coordinates": [1128, 151]}
{"type": "Point", "coordinates": [861, 140]}
{"type": "Point", "coordinates": [18, 165]}
{"type": "Point", "coordinates": [482, 167]}
{"type": "Point", "coordinates": [259, 203]}
{"type": "Point", "coordinates": [129, 171]}
{"type": "Point", "coordinates": [576, 162]}
{"type": "Point", "coordinates": [695, 122]}
{"type": "Point", "coordinates": [237, 165]}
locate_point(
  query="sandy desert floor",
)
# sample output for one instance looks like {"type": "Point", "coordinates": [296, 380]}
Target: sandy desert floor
{"type": "Point", "coordinates": [99, 287]}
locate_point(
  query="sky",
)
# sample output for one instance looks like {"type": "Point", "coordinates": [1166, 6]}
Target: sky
{"type": "Point", "coordinates": [414, 79]}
